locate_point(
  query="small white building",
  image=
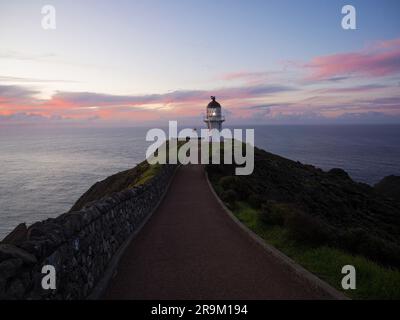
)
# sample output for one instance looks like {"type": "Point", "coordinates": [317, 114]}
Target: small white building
{"type": "Point", "coordinates": [214, 118]}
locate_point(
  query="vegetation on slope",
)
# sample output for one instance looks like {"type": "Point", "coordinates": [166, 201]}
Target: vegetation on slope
{"type": "Point", "coordinates": [131, 178]}
{"type": "Point", "coordinates": [323, 220]}
{"type": "Point", "coordinates": [390, 187]}
{"type": "Point", "coordinates": [374, 281]}
{"type": "Point", "coordinates": [117, 182]}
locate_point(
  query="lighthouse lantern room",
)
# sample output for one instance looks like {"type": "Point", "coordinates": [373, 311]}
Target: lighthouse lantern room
{"type": "Point", "coordinates": [214, 118]}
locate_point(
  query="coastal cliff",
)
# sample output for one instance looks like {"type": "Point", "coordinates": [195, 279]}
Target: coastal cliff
{"type": "Point", "coordinates": [81, 243]}
{"type": "Point", "coordinates": [317, 207]}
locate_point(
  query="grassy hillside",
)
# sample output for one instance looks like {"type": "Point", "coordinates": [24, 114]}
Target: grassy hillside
{"type": "Point", "coordinates": [134, 177]}
{"type": "Point", "coordinates": [323, 220]}
{"type": "Point", "coordinates": [116, 183]}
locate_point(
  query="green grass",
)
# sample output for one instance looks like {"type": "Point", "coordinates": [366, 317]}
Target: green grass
{"type": "Point", "coordinates": [150, 172]}
{"type": "Point", "coordinates": [373, 281]}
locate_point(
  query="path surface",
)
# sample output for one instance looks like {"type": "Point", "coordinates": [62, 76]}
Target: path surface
{"type": "Point", "coordinates": [191, 249]}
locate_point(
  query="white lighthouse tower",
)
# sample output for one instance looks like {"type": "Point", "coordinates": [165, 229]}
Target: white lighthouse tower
{"type": "Point", "coordinates": [214, 118]}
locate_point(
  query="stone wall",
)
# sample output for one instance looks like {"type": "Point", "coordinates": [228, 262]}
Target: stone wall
{"type": "Point", "coordinates": [80, 245]}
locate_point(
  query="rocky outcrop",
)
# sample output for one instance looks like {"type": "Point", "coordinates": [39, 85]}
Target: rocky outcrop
{"type": "Point", "coordinates": [18, 235]}
{"type": "Point", "coordinates": [79, 244]}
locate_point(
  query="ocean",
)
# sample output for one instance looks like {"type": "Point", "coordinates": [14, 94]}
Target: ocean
{"type": "Point", "coordinates": [45, 170]}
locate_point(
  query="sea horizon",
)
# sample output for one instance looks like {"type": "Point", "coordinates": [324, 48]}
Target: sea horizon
{"type": "Point", "coordinates": [226, 151]}
{"type": "Point", "coordinates": [45, 170]}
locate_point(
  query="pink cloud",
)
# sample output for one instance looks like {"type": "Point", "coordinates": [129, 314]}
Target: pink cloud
{"type": "Point", "coordinates": [382, 59]}
{"type": "Point", "coordinates": [387, 44]}
{"type": "Point", "coordinates": [246, 76]}
{"type": "Point", "coordinates": [83, 105]}
{"type": "Point", "coordinates": [356, 89]}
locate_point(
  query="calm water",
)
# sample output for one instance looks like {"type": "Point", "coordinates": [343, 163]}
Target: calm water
{"type": "Point", "coordinates": [44, 171]}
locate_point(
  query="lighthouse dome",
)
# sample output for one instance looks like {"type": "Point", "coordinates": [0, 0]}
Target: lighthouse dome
{"type": "Point", "coordinates": [213, 104]}
{"type": "Point", "coordinates": [214, 118]}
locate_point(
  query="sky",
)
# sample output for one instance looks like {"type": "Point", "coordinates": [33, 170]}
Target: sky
{"type": "Point", "coordinates": [139, 62]}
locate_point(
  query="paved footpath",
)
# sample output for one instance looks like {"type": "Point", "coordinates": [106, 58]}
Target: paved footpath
{"type": "Point", "coordinates": [191, 249]}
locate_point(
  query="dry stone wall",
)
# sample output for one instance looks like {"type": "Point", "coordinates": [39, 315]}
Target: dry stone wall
{"type": "Point", "coordinates": [80, 245]}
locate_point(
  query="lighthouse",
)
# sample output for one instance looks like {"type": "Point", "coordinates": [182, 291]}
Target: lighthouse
{"type": "Point", "coordinates": [214, 118]}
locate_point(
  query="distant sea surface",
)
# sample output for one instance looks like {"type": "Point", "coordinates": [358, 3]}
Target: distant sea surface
{"type": "Point", "coordinates": [44, 171]}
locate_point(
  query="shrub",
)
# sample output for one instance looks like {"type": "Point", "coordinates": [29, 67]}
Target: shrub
{"type": "Point", "coordinates": [273, 213]}
{"type": "Point", "coordinates": [359, 241]}
{"type": "Point", "coordinates": [255, 201]}
{"type": "Point", "coordinates": [229, 196]}
{"type": "Point", "coordinates": [304, 228]}
{"type": "Point", "coordinates": [380, 250]}
{"type": "Point", "coordinates": [352, 239]}
{"type": "Point", "coordinates": [228, 182]}
{"type": "Point", "coordinates": [234, 183]}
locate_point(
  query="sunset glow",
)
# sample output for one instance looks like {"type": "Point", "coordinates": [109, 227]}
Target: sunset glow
{"type": "Point", "coordinates": [160, 61]}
